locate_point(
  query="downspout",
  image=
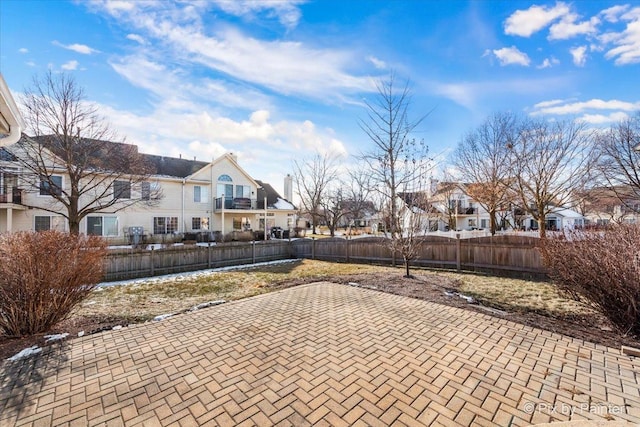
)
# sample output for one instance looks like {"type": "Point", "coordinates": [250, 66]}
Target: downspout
{"type": "Point", "coordinates": [182, 206]}
{"type": "Point", "coordinates": [213, 192]}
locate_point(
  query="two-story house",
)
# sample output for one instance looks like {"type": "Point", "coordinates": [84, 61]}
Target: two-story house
{"type": "Point", "coordinates": [179, 196]}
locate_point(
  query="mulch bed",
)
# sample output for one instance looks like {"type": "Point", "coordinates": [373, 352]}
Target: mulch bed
{"type": "Point", "coordinates": [429, 288]}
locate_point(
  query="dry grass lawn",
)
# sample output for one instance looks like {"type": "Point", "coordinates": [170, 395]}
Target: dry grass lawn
{"type": "Point", "coordinates": [143, 301]}
{"type": "Point", "coordinates": [534, 303]}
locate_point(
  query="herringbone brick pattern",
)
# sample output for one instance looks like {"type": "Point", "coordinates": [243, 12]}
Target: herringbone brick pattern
{"type": "Point", "coordinates": [322, 354]}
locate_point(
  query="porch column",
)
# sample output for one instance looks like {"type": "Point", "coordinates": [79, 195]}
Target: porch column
{"type": "Point", "coordinates": [9, 220]}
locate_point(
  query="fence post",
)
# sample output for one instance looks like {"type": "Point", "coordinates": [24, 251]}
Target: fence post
{"type": "Point", "coordinates": [208, 254]}
{"type": "Point", "coordinates": [152, 266]}
{"type": "Point", "coordinates": [313, 248]}
{"type": "Point", "coordinates": [458, 251]}
{"type": "Point", "coordinates": [347, 243]}
{"type": "Point", "coordinates": [253, 252]}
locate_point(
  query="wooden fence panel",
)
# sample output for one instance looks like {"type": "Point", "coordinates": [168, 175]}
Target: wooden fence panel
{"type": "Point", "coordinates": [134, 263]}
{"type": "Point", "coordinates": [510, 254]}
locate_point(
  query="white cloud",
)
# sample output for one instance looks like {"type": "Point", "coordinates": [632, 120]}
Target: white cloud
{"type": "Point", "coordinates": [579, 55]}
{"type": "Point", "coordinates": [285, 67]}
{"type": "Point", "coordinates": [76, 47]}
{"type": "Point", "coordinates": [613, 13]}
{"type": "Point", "coordinates": [204, 136]}
{"type": "Point", "coordinates": [598, 119]}
{"type": "Point", "coordinates": [559, 107]}
{"type": "Point", "coordinates": [23, 50]}
{"type": "Point", "coordinates": [627, 42]}
{"type": "Point", "coordinates": [548, 63]}
{"type": "Point", "coordinates": [378, 63]}
{"type": "Point", "coordinates": [526, 22]}
{"type": "Point", "coordinates": [192, 94]}
{"type": "Point", "coordinates": [136, 38]}
{"type": "Point", "coordinates": [70, 65]}
{"type": "Point", "coordinates": [567, 27]}
{"type": "Point", "coordinates": [511, 55]}
{"type": "Point", "coordinates": [286, 11]}
{"type": "Point", "coordinates": [551, 103]}
{"type": "Point", "coordinates": [30, 63]}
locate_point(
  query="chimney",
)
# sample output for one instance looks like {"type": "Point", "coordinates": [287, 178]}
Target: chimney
{"type": "Point", "coordinates": [288, 187]}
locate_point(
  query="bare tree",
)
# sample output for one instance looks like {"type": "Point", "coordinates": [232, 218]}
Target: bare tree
{"type": "Point", "coordinates": [483, 161]}
{"type": "Point", "coordinates": [415, 214]}
{"type": "Point", "coordinates": [358, 203]}
{"type": "Point", "coordinates": [397, 158]}
{"type": "Point", "coordinates": [333, 207]}
{"type": "Point", "coordinates": [313, 176]}
{"type": "Point", "coordinates": [550, 160]}
{"type": "Point", "coordinates": [444, 198]}
{"type": "Point", "coordinates": [72, 157]}
{"type": "Point", "coordinates": [619, 160]}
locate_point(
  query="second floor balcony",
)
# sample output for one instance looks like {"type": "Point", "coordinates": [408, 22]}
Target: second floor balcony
{"type": "Point", "coordinates": [236, 203]}
{"type": "Point", "coordinates": [13, 195]}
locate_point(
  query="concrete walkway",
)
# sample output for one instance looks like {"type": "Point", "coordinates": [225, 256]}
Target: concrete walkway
{"type": "Point", "coordinates": [322, 354]}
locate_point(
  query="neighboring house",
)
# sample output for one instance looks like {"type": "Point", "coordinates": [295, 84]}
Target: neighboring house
{"type": "Point", "coordinates": [454, 209]}
{"type": "Point", "coordinates": [196, 197]}
{"type": "Point", "coordinates": [11, 124]}
{"type": "Point", "coordinates": [447, 206]}
{"type": "Point", "coordinates": [559, 218]}
{"type": "Point", "coordinates": [602, 205]}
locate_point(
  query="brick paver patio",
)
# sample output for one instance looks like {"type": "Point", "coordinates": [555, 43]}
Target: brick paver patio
{"type": "Point", "coordinates": [322, 354]}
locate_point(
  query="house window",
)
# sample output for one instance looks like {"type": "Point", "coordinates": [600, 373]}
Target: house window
{"type": "Point", "coordinates": [198, 223]}
{"type": "Point", "coordinates": [484, 223]}
{"type": "Point", "coordinates": [225, 178]}
{"type": "Point", "coordinates": [162, 225]}
{"type": "Point", "coordinates": [145, 190]}
{"type": "Point", "coordinates": [102, 226]}
{"type": "Point", "coordinates": [51, 186]}
{"type": "Point", "coordinates": [243, 191]}
{"type": "Point", "coordinates": [200, 194]}
{"type": "Point", "coordinates": [121, 190]}
{"type": "Point", "coordinates": [241, 223]}
{"type": "Point", "coordinates": [49, 222]}
{"type": "Point", "coordinates": [472, 223]}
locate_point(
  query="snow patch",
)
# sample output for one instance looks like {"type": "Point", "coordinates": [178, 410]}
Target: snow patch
{"type": "Point", "coordinates": [81, 333]}
{"type": "Point", "coordinates": [116, 328]}
{"type": "Point", "coordinates": [283, 204]}
{"type": "Point", "coordinates": [26, 353]}
{"type": "Point", "coordinates": [452, 293]}
{"type": "Point", "coordinates": [162, 317]}
{"type": "Point", "coordinates": [56, 337]}
{"type": "Point", "coordinates": [207, 304]}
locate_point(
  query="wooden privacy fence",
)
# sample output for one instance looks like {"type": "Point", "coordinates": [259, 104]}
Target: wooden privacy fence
{"type": "Point", "coordinates": [122, 264]}
{"type": "Point", "coordinates": [508, 254]}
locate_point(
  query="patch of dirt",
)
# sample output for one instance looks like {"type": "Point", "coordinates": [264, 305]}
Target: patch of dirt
{"type": "Point", "coordinates": [435, 288]}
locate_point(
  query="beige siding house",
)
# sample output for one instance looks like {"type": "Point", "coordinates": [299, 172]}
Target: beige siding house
{"type": "Point", "coordinates": [182, 198]}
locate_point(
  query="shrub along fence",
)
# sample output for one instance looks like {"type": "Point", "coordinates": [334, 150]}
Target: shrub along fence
{"type": "Point", "coordinates": [505, 255]}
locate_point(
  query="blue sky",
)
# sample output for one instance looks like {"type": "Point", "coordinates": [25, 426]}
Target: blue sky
{"type": "Point", "coordinates": [274, 81]}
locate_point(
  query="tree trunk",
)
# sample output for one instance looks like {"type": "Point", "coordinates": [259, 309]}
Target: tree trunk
{"type": "Point", "coordinates": [542, 226]}
{"type": "Point", "coordinates": [492, 221]}
{"type": "Point", "coordinates": [74, 226]}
